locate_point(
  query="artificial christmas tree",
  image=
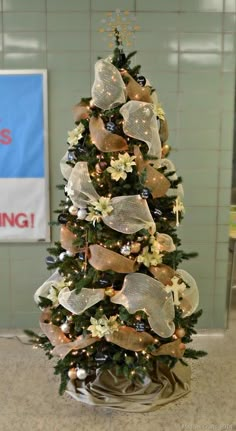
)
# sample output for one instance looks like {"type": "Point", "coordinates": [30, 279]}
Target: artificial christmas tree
{"type": "Point", "coordinates": [117, 311]}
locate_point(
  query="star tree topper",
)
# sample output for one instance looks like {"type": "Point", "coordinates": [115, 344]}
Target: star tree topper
{"type": "Point", "coordinates": [122, 22]}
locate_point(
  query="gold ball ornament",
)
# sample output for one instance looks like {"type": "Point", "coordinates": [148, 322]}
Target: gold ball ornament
{"type": "Point", "coordinates": [182, 346]}
{"type": "Point", "coordinates": [135, 247]}
{"type": "Point", "coordinates": [180, 332]}
{"type": "Point", "coordinates": [165, 150]}
{"type": "Point", "coordinates": [109, 291]}
{"type": "Point", "coordinates": [72, 374]}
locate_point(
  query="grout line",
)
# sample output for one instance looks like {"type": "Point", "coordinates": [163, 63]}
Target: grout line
{"type": "Point", "coordinates": [90, 43]}
{"type": "Point", "coordinates": [218, 179]}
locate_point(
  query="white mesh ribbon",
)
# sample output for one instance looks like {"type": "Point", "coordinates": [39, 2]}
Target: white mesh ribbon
{"type": "Point", "coordinates": [130, 213]}
{"type": "Point", "coordinates": [81, 190]}
{"type": "Point", "coordinates": [170, 167]}
{"type": "Point", "coordinates": [140, 123]}
{"type": "Point", "coordinates": [66, 169]}
{"type": "Point", "coordinates": [141, 292]}
{"type": "Point", "coordinates": [78, 303]}
{"type": "Point", "coordinates": [165, 242]}
{"type": "Point", "coordinates": [190, 296]}
{"type": "Point", "coordinates": [109, 88]}
{"type": "Point", "coordinates": [44, 289]}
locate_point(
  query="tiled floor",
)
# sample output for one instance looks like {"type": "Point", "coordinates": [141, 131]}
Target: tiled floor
{"type": "Point", "coordinates": [29, 398]}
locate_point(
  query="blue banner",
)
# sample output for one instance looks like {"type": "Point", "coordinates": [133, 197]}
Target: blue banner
{"type": "Point", "coordinates": [24, 201]}
{"type": "Point", "coordinates": [21, 126]}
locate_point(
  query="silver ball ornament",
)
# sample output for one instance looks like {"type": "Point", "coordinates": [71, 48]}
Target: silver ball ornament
{"type": "Point", "coordinates": [72, 373]}
{"type": "Point", "coordinates": [81, 214]}
{"type": "Point", "coordinates": [81, 374]}
{"type": "Point", "coordinates": [73, 210]}
{"type": "Point", "coordinates": [69, 253]}
{"type": "Point", "coordinates": [65, 327]}
{"type": "Point", "coordinates": [62, 255]}
{"type": "Point", "coordinates": [125, 250]}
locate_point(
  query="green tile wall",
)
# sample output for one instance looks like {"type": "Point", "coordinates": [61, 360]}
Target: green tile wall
{"type": "Point", "coordinates": [187, 50]}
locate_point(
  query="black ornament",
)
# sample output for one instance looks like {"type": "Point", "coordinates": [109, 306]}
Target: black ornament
{"type": "Point", "coordinates": [111, 127]}
{"type": "Point", "coordinates": [50, 260]}
{"type": "Point", "coordinates": [141, 80]}
{"type": "Point", "coordinates": [101, 357]}
{"type": "Point", "coordinates": [62, 218]}
{"type": "Point", "coordinates": [79, 150]}
{"type": "Point", "coordinates": [81, 256]}
{"type": "Point", "coordinates": [145, 193]}
{"type": "Point", "coordinates": [71, 156]}
{"type": "Point", "coordinates": [157, 212]}
{"type": "Point", "coordinates": [140, 326]}
{"type": "Point", "coordinates": [104, 282]}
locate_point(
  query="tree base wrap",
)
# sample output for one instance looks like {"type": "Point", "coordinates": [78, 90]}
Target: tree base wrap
{"type": "Point", "coordinates": [118, 393]}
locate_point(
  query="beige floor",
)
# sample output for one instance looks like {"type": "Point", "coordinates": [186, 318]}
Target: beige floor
{"type": "Point", "coordinates": [29, 398]}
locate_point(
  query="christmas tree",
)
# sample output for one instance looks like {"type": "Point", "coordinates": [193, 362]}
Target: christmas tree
{"type": "Point", "coordinates": [117, 311]}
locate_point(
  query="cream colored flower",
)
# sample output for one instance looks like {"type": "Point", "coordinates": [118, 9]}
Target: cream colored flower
{"type": "Point", "coordinates": [103, 326]}
{"type": "Point", "coordinates": [103, 206]}
{"type": "Point", "coordinates": [159, 112]}
{"type": "Point", "coordinates": [93, 216]}
{"type": "Point", "coordinates": [150, 258]}
{"type": "Point", "coordinates": [75, 134]}
{"type": "Point", "coordinates": [99, 209]}
{"type": "Point", "coordinates": [121, 166]}
{"type": "Point", "coordinates": [54, 291]}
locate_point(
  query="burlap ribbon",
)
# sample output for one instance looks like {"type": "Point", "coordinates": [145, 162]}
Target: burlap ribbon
{"type": "Point", "coordinates": [108, 89]}
{"type": "Point", "coordinates": [130, 213]}
{"type": "Point", "coordinates": [104, 140]}
{"type": "Point", "coordinates": [163, 131]}
{"type": "Point", "coordinates": [129, 339]}
{"type": "Point", "coordinates": [156, 182]}
{"type": "Point", "coordinates": [104, 259]}
{"type": "Point", "coordinates": [81, 111]}
{"type": "Point", "coordinates": [67, 239]}
{"type": "Point", "coordinates": [140, 123]}
{"type": "Point", "coordinates": [170, 167]}
{"type": "Point", "coordinates": [126, 337]}
{"type": "Point", "coordinates": [163, 273]}
{"type": "Point", "coordinates": [119, 393]}
{"type": "Point", "coordinates": [135, 91]}
{"type": "Point", "coordinates": [175, 349]}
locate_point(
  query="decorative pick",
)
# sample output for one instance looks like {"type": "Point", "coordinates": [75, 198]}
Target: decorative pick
{"type": "Point", "coordinates": [178, 207]}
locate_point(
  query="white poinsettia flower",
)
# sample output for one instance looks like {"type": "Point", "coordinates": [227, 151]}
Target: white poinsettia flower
{"type": "Point", "coordinates": [54, 291]}
{"type": "Point", "coordinates": [103, 205]}
{"type": "Point", "coordinates": [103, 326]}
{"type": "Point", "coordinates": [99, 209]}
{"type": "Point", "coordinates": [121, 166]}
{"type": "Point", "coordinates": [159, 112]}
{"type": "Point", "coordinates": [150, 258]}
{"type": "Point", "coordinates": [93, 216]}
{"type": "Point", "coordinates": [75, 134]}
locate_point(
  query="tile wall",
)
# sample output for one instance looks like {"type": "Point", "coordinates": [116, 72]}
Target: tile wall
{"type": "Point", "coordinates": [187, 50]}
